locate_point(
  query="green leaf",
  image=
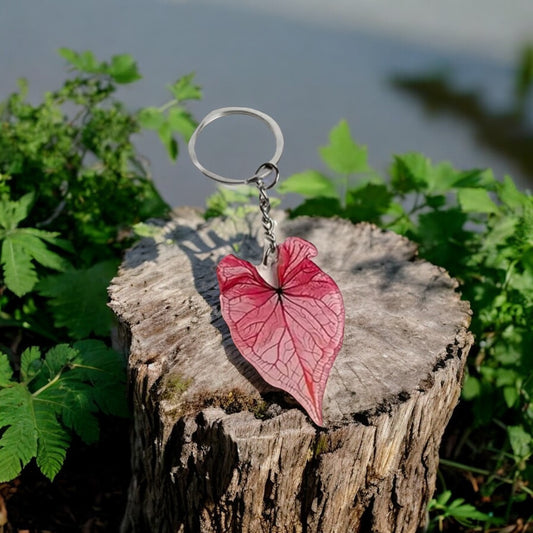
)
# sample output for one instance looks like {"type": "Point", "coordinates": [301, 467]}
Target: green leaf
{"type": "Point", "coordinates": [141, 229]}
{"type": "Point", "coordinates": [368, 202]}
{"type": "Point", "coordinates": [52, 443]}
{"type": "Point", "coordinates": [11, 213]}
{"type": "Point", "coordinates": [18, 443]}
{"type": "Point", "coordinates": [165, 134]}
{"type": "Point", "coordinates": [19, 248]}
{"type": "Point", "coordinates": [521, 441]}
{"type": "Point", "coordinates": [410, 172]}
{"type": "Point", "coordinates": [309, 184]}
{"type": "Point", "coordinates": [181, 121]}
{"type": "Point", "coordinates": [78, 299]}
{"type": "Point", "coordinates": [319, 207]}
{"type": "Point", "coordinates": [68, 388]}
{"type": "Point", "coordinates": [30, 363]}
{"type": "Point", "coordinates": [471, 388]}
{"type": "Point", "coordinates": [476, 201]}
{"type": "Point", "coordinates": [69, 55]}
{"type": "Point", "coordinates": [6, 372]}
{"type": "Point", "coordinates": [105, 369]}
{"type": "Point", "coordinates": [510, 195]}
{"type": "Point", "coordinates": [19, 273]}
{"type": "Point", "coordinates": [123, 69]}
{"type": "Point", "coordinates": [184, 89]}
{"type": "Point", "coordinates": [510, 395]}
{"type": "Point", "coordinates": [151, 118]}
{"type": "Point", "coordinates": [342, 154]}
{"type": "Point", "coordinates": [36, 248]}
{"type": "Point", "coordinates": [439, 234]}
{"type": "Point", "coordinates": [475, 178]}
{"type": "Point", "coordinates": [85, 62]}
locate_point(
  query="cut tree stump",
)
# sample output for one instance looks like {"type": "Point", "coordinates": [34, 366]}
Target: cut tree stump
{"type": "Point", "coordinates": [216, 449]}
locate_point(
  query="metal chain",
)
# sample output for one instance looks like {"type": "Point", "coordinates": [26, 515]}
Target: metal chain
{"type": "Point", "coordinates": [268, 222]}
{"type": "Point", "coordinates": [264, 205]}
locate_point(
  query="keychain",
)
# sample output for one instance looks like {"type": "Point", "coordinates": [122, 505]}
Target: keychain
{"type": "Point", "coordinates": [285, 316]}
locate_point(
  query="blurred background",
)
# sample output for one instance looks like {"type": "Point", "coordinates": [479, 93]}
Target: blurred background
{"type": "Point", "coordinates": [435, 77]}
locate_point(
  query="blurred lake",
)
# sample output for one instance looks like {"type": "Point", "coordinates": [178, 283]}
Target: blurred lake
{"type": "Point", "coordinates": [306, 71]}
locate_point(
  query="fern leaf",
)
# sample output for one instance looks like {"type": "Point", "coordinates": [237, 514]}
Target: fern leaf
{"type": "Point", "coordinates": [6, 372]}
{"type": "Point", "coordinates": [78, 299]}
{"type": "Point", "coordinates": [19, 273]}
{"type": "Point", "coordinates": [18, 443]}
{"type": "Point", "coordinates": [12, 399]}
{"type": "Point", "coordinates": [52, 441]}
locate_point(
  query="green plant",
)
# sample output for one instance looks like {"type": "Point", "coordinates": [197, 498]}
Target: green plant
{"type": "Point", "coordinates": [443, 508]}
{"type": "Point", "coordinates": [53, 395]}
{"type": "Point", "coordinates": [481, 230]}
{"type": "Point", "coordinates": [72, 186]}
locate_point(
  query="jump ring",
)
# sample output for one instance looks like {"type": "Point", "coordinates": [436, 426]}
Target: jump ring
{"type": "Point", "coordinates": [224, 112]}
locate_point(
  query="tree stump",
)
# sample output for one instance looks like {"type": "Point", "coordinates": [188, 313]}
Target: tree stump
{"type": "Point", "coordinates": [216, 449]}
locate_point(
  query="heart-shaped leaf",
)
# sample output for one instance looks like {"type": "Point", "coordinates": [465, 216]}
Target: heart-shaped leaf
{"type": "Point", "coordinates": [290, 328]}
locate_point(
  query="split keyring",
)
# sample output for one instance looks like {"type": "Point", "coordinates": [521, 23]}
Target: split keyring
{"type": "Point", "coordinates": [264, 169]}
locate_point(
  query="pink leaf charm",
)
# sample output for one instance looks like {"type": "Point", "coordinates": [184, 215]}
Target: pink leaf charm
{"type": "Point", "coordinates": [289, 328]}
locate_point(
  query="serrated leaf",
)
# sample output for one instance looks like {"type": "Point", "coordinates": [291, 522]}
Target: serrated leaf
{"type": "Point", "coordinates": [309, 184]}
{"type": "Point", "coordinates": [441, 177]}
{"type": "Point", "coordinates": [6, 372]}
{"type": "Point", "coordinates": [78, 299]}
{"type": "Point", "coordinates": [151, 118]}
{"type": "Point", "coordinates": [410, 172]}
{"type": "Point", "coordinates": [19, 273]}
{"type": "Point", "coordinates": [20, 247]}
{"type": "Point", "coordinates": [342, 154]}
{"type": "Point", "coordinates": [123, 69]}
{"type": "Point", "coordinates": [368, 202]}
{"type": "Point", "coordinates": [105, 369]}
{"type": "Point", "coordinates": [52, 441]}
{"type": "Point", "coordinates": [476, 201]}
{"type": "Point", "coordinates": [14, 212]}
{"type": "Point", "coordinates": [37, 249]}
{"type": "Point", "coordinates": [30, 363]}
{"type": "Point", "coordinates": [510, 195]}
{"type": "Point", "coordinates": [474, 179]}
{"type": "Point", "coordinates": [184, 89]}
{"type": "Point", "coordinates": [57, 358]}
{"type": "Point", "coordinates": [50, 236]}
{"type": "Point", "coordinates": [70, 398]}
{"type": "Point", "coordinates": [181, 121]}
{"type": "Point", "coordinates": [18, 443]}
{"type": "Point", "coordinates": [84, 61]}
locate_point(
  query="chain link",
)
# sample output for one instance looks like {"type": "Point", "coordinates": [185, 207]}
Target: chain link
{"type": "Point", "coordinates": [264, 206]}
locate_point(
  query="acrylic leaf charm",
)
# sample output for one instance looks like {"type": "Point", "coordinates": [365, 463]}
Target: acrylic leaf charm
{"type": "Point", "coordinates": [290, 328]}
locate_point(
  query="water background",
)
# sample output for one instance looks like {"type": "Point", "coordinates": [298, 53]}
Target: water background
{"type": "Point", "coordinates": [306, 64]}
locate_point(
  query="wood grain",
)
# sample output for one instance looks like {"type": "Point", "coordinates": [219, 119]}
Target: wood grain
{"type": "Point", "coordinates": [214, 448]}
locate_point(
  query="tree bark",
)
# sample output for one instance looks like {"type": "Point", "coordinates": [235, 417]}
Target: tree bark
{"type": "Point", "coordinates": [216, 449]}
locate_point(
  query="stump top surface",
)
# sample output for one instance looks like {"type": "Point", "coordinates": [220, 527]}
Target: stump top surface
{"type": "Point", "coordinates": [403, 315]}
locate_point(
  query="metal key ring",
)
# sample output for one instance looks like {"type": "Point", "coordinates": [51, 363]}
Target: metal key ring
{"type": "Point", "coordinates": [264, 170]}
